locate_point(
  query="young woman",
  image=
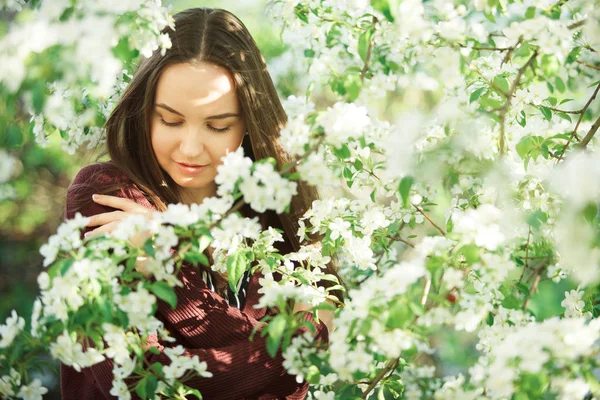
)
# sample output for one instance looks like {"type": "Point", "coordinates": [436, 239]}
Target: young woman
{"type": "Point", "coordinates": [181, 113]}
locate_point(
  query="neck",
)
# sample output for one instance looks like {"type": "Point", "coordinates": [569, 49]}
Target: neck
{"type": "Point", "coordinates": [196, 196]}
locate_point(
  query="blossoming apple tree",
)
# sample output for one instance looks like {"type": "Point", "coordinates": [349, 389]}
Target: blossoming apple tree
{"type": "Point", "coordinates": [454, 146]}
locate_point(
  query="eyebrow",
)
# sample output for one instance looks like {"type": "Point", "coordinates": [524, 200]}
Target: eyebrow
{"type": "Point", "coordinates": [219, 116]}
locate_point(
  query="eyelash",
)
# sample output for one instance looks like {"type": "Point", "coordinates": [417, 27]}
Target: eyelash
{"type": "Point", "coordinates": [173, 124]}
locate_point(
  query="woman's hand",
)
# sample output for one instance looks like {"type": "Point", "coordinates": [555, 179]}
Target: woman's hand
{"type": "Point", "coordinates": [326, 316]}
{"type": "Point", "coordinates": [108, 221]}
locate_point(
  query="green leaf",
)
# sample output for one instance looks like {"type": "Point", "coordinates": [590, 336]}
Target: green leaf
{"type": "Point", "coordinates": [476, 94]}
{"type": "Point", "coordinates": [470, 252]}
{"type": "Point", "coordinates": [313, 375]}
{"type": "Point", "coordinates": [342, 152]}
{"type": "Point", "coordinates": [523, 120]}
{"type": "Point", "coordinates": [164, 292]}
{"type": "Point", "coordinates": [277, 326]}
{"type": "Point", "coordinates": [560, 84]}
{"type": "Point", "coordinates": [348, 175]}
{"type": "Point", "coordinates": [301, 14]}
{"type": "Point", "coordinates": [552, 101]}
{"type": "Point", "coordinates": [564, 116]}
{"type": "Point", "coordinates": [546, 112]}
{"type": "Point", "coordinates": [537, 218]}
{"type": "Point", "coordinates": [383, 6]}
{"type": "Point", "coordinates": [273, 345]}
{"type": "Point", "coordinates": [309, 53]}
{"type": "Point", "coordinates": [236, 266]}
{"type": "Point", "coordinates": [490, 17]}
{"type": "Point", "coordinates": [149, 248]}
{"type": "Point", "coordinates": [194, 392]}
{"type": "Point", "coordinates": [395, 387]}
{"type": "Point", "coordinates": [140, 388]}
{"type": "Point", "coordinates": [400, 315]}
{"type": "Point", "coordinates": [565, 101]}
{"type": "Point", "coordinates": [591, 380]}
{"type": "Point", "coordinates": [523, 50]}
{"type": "Point", "coordinates": [573, 55]}
{"type": "Point", "coordinates": [530, 13]}
{"type": "Point", "coordinates": [487, 101]}
{"type": "Point", "coordinates": [523, 289]}
{"type": "Point", "coordinates": [204, 242]}
{"type": "Point", "coordinates": [196, 258]}
{"type": "Point", "coordinates": [14, 136]}
{"type": "Point", "coordinates": [151, 385]}
{"type": "Point", "coordinates": [363, 43]}
{"type": "Point", "coordinates": [39, 94]}
{"type": "Point", "coordinates": [590, 212]}
{"type": "Point", "coordinates": [404, 189]}
{"type": "Point", "coordinates": [352, 84]}
{"type": "Point", "coordinates": [502, 83]}
{"type": "Point", "coordinates": [123, 51]}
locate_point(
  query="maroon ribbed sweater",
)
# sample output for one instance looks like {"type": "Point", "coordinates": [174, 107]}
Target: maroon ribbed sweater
{"type": "Point", "coordinates": [203, 322]}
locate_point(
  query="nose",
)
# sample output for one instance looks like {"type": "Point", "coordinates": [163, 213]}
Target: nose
{"type": "Point", "coordinates": [191, 144]}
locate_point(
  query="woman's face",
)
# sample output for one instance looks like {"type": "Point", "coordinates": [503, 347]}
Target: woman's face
{"type": "Point", "coordinates": [196, 120]}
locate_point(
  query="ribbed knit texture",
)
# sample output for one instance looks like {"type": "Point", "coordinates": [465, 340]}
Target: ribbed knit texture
{"type": "Point", "coordinates": [203, 322]}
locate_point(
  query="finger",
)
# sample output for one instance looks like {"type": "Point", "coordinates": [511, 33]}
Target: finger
{"type": "Point", "coordinates": [118, 203]}
{"type": "Point", "coordinates": [106, 218]}
{"type": "Point", "coordinates": [103, 229]}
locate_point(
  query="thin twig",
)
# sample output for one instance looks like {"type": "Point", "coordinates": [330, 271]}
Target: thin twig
{"type": "Point", "coordinates": [574, 134]}
{"type": "Point", "coordinates": [369, 51]}
{"type": "Point", "coordinates": [526, 266]}
{"type": "Point", "coordinates": [389, 366]}
{"type": "Point", "coordinates": [397, 238]}
{"type": "Point", "coordinates": [588, 64]}
{"type": "Point", "coordinates": [577, 24]}
{"type": "Point", "coordinates": [426, 289]}
{"type": "Point", "coordinates": [504, 109]}
{"type": "Point", "coordinates": [590, 134]}
{"type": "Point", "coordinates": [564, 111]}
{"type": "Point", "coordinates": [533, 289]}
{"type": "Point", "coordinates": [443, 232]}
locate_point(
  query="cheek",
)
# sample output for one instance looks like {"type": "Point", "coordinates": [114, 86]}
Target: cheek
{"type": "Point", "coordinates": [228, 144]}
{"type": "Point", "coordinates": [160, 141]}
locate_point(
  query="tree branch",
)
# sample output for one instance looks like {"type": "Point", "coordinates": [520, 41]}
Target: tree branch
{"type": "Point", "coordinates": [588, 64]}
{"type": "Point", "coordinates": [573, 135]}
{"type": "Point", "coordinates": [590, 134]}
{"type": "Point", "coordinates": [504, 109]}
{"type": "Point", "coordinates": [369, 51]}
{"type": "Point", "coordinates": [430, 220]}
{"type": "Point", "coordinates": [388, 367]}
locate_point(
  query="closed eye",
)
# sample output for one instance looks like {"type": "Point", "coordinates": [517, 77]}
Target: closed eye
{"type": "Point", "coordinates": [162, 121]}
{"type": "Point", "coordinates": [212, 128]}
{"type": "Point", "coordinates": [218, 129]}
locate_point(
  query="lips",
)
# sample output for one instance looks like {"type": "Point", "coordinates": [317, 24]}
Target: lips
{"type": "Point", "coordinates": [190, 165]}
{"type": "Point", "coordinates": [191, 169]}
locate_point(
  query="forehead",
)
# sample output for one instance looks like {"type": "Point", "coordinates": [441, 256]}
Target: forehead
{"type": "Point", "coordinates": [196, 88]}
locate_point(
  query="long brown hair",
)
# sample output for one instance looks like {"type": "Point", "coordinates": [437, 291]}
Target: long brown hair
{"type": "Point", "coordinates": [214, 36]}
